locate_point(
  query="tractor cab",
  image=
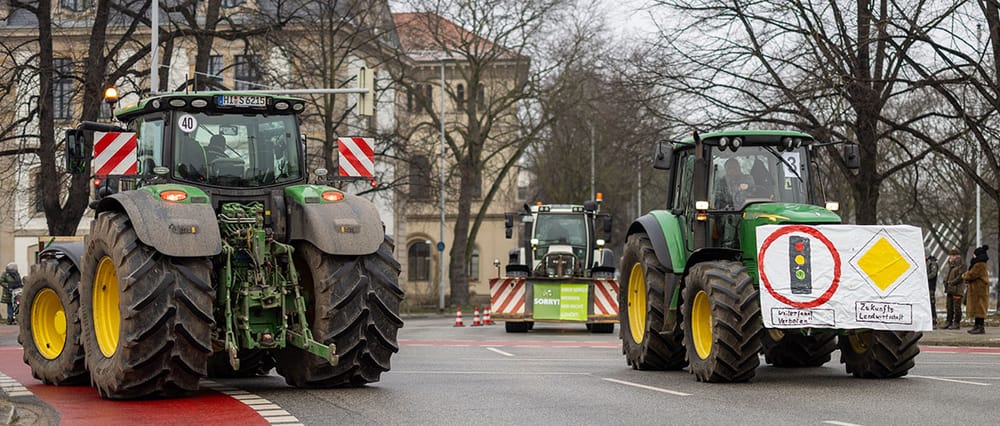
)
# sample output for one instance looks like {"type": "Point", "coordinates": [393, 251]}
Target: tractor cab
{"type": "Point", "coordinates": [560, 240]}
{"type": "Point", "coordinates": [723, 184]}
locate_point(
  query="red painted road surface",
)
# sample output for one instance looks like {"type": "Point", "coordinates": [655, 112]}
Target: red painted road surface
{"type": "Point", "coordinates": [80, 405]}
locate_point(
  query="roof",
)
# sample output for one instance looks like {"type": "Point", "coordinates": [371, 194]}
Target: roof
{"type": "Point", "coordinates": [427, 36]}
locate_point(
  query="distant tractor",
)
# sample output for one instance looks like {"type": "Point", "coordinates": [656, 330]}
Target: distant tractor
{"type": "Point", "coordinates": [561, 273]}
{"type": "Point", "coordinates": [692, 283]}
{"type": "Point", "coordinates": [210, 254]}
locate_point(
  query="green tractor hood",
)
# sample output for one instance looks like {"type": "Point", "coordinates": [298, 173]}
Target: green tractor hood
{"type": "Point", "coordinates": [774, 214]}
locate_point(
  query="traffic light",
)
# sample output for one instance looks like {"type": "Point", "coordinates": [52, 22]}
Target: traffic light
{"type": "Point", "coordinates": [800, 269]}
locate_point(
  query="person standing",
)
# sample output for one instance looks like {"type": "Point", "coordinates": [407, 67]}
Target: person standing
{"type": "Point", "coordinates": [932, 277]}
{"type": "Point", "coordinates": [954, 287]}
{"type": "Point", "coordinates": [10, 281]}
{"type": "Point", "coordinates": [978, 279]}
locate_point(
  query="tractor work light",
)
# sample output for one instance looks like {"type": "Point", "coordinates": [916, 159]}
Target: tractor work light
{"type": "Point", "coordinates": [737, 142]}
{"type": "Point", "coordinates": [177, 103]}
{"type": "Point", "coordinates": [199, 103]}
{"type": "Point", "coordinates": [723, 142]}
{"type": "Point", "coordinates": [333, 196]}
{"type": "Point", "coordinates": [173, 195]}
{"type": "Point", "coordinates": [832, 206]}
{"type": "Point", "coordinates": [701, 205]}
{"type": "Point", "coordinates": [281, 105]}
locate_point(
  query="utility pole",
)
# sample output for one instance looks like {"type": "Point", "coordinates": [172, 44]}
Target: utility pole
{"type": "Point", "coordinates": [440, 245]}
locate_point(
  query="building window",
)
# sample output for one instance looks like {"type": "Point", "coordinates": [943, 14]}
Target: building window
{"type": "Point", "coordinates": [215, 68]}
{"type": "Point", "coordinates": [481, 96]}
{"type": "Point", "coordinates": [460, 97]}
{"type": "Point", "coordinates": [430, 97]}
{"type": "Point", "coordinates": [76, 5]}
{"type": "Point", "coordinates": [62, 88]}
{"type": "Point", "coordinates": [418, 258]}
{"type": "Point", "coordinates": [420, 178]}
{"type": "Point", "coordinates": [248, 72]}
{"type": "Point", "coordinates": [232, 3]}
{"type": "Point", "coordinates": [39, 195]}
{"type": "Point", "coordinates": [472, 269]}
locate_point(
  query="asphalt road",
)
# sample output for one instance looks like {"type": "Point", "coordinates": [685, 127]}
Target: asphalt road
{"type": "Point", "coordinates": [561, 374]}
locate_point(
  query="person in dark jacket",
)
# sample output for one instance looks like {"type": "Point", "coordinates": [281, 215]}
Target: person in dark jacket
{"type": "Point", "coordinates": [10, 280]}
{"type": "Point", "coordinates": [978, 279]}
{"type": "Point", "coordinates": [932, 278]}
{"type": "Point", "coordinates": [954, 288]}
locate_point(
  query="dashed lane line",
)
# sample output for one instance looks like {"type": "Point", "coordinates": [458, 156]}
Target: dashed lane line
{"type": "Point", "coordinates": [508, 354]}
{"type": "Point", "coordinates": [834, 422]}
{"type": "Point", "coordinates": [267, 410]}
{"type": "Point", "coordinates": [943, 379]}
{"type": "Point", "coordinates": [652, 388]}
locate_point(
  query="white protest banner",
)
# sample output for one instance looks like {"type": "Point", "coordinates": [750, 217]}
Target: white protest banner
{"type": "Point", "coordinates": [843, 276]}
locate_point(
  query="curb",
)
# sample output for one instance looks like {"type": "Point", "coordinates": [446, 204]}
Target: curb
{"type": "Point", "coordinates": [7, 412]}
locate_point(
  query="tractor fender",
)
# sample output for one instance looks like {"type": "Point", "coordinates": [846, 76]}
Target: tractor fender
{"type": "Point", "coordinates": [179, 229]}
{"type": "Point", "coordinates": [664, 231]}
{"type": "Point", "coordinates": [71, 250]}
{"type": "Point", "coordinates": [351, 226]}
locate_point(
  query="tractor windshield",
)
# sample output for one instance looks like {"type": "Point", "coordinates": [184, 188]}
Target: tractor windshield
{"type": "Point", "coordinates": [236, 150]}
{"type": "Point", "coordinates": [757, 174]}
{"type": "Point", "coordinates": [561, 229]}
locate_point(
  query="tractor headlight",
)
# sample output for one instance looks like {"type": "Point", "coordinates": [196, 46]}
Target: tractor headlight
{"type": "Point", "coordinates": [701, 205]}
{"type": "Point", "coordinates": [737, 142]}
{"type": "Point", "coordinates": [832, 206]}
{"type": "Point", "coordinates": [723, 142]}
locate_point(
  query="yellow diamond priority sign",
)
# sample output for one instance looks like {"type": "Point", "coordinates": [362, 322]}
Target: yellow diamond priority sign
{"type": "Point", "coordinates": [882, 263]}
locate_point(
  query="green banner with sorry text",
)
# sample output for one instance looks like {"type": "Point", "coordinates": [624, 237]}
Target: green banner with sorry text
{"type": "Point", "coordinates": [566, 302]}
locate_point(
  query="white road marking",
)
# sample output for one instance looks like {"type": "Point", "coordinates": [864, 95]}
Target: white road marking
{"type": "Point", "coordinates": [11, 387]}
{"type": "Point", "coordinates": [950, 380]}
{"type": "Point", "coordinates": [622, 382]}
{"type": "Point", "coordinates": [834, 422]}
{"type": "Point", "coordinates": [267, 410]}
{"type": "Point", "coordinates": [499, 351]}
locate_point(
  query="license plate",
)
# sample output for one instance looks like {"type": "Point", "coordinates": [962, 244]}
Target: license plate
{"type": "Point", "coordinates": [242, 101]}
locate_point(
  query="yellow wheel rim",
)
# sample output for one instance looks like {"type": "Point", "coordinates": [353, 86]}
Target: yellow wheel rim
{"type": "Point", "coordinates": [106, 314]}
{"type": "Point", "coordinates": [48, 323]}
{"type": "Point", "coordinates": [860, 343]}
{"type": "Point", "coordinates": [637, 303]}
{"type": "Point", "coordinates": [701, 324]}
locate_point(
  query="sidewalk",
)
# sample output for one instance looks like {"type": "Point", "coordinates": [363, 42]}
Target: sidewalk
{"type": "Point", "coordinates": [961, 337]}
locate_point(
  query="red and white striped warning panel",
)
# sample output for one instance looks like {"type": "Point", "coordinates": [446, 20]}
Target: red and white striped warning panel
{"type": "Point", "coordinates": [114, 153]}
{"type": "Point", "coordinates": [356, 157]}
{"type": "Point", "coordinates": [507, 295]}
{"type": "Point", "coordinates": [605, 297]}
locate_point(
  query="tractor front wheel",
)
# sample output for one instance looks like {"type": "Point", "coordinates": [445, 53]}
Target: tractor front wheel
{"type": "Point", "coordinates": [352, 302]}
{"type": "Point", "coordinates": [721, 322]}
{"type": "Point", "coordinates": [643, 305]}
{"type": "Point", "coordinates": [50, 328]}
{"type": "Point", "coordinates": [879, 354]}
{"type": "Point", "coordinates": [146, 317]}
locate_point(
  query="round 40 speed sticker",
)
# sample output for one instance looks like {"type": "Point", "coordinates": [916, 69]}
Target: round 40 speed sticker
{"type": "Point", "coordinates": [187, 123]}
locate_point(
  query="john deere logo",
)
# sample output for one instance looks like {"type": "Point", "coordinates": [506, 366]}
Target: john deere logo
{"type": "Point", "coordinates": [883, 264]}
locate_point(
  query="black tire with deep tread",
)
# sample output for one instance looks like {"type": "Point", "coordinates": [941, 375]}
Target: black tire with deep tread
{"type": "Point", "coordinates": [353, 302]}
{"type": "Point", "coordinates": [736, 322]}
{"type": "Point", "coordinates": [659, 349]}
{"type": "Point", "coordinates": [889, 354]}
{"type": "Point", "coordinates": [166, 315]}
{"type": "Point", "coordinates": [253, 363]}
{"type": "Point", "coordinates": [798, 350]}
{"type": "Point", "coordinates": [69, 367]}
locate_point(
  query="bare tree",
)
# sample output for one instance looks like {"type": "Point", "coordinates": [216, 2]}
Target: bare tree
{"type": "Point", "coordinates": [832, 69]}
{"type": "Point", "coordinates": [490, 42]}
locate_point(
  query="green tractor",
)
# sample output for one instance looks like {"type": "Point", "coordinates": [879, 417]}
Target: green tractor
{"type": "Point", "coordinates": [210, 254]}
{"type": "Point", "coordinates": [690, 292]}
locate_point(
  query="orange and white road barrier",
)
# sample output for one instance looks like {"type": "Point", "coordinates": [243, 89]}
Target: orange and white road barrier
{"type": "Point", "coordinates": [475, 318]}
{"type": "Point", "coordinates": [458, 318]}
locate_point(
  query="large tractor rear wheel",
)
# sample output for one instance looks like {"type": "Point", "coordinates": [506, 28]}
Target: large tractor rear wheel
{"type": "Point", "coordinates": [146, 317]}
{"type": "Point", "coordinates": [722, 322]}
{"type": "Point", "coordinates": [642, 305]}
{"type": "Point", "coordinates": [352, 302]}
{"type": "Point", "coordinates": [879, 354]}
{"type": "Point", "coordinates": [793, 350]}
{"type": "Point", "coordinates": [50, 326]}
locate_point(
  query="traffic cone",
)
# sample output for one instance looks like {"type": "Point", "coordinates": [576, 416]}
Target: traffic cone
{"type": "Point", "coordinates": [486, 316]}
{"type": "Point", "coordinates": [475, 318]}
{"type": "Point", "coordinates": [458, 318]}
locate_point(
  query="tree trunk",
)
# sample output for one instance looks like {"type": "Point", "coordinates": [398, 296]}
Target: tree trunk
{"type": "Point", "coordinates": [204, 41]}
{"type": "Point", "coordinates": [458, 254]}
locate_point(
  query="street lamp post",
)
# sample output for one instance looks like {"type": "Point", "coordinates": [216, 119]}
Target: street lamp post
{"type": "Point", "coordinates": [441, 168]}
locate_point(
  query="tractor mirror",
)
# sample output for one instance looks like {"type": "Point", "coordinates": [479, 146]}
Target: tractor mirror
{"type": "Point", "coordinates": [851, 157]}
{"type": "Point", "coordinates": [508, 225]}
{"type": "Point", "coordinates": [76, 153]}
{"type": "Point", "coordinates": [663, 156]}
{"type": "Point", "coordinates": [607, 226]}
